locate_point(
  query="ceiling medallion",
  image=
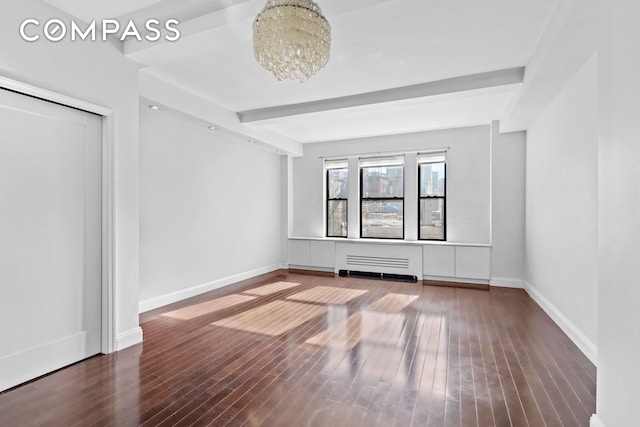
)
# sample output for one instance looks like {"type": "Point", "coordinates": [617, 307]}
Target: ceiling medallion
{"type": "Point", "coordinates": [291, 39]}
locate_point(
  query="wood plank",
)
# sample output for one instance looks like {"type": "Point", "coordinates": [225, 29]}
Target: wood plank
{"type": "Point", "coordinates": [297, 349]}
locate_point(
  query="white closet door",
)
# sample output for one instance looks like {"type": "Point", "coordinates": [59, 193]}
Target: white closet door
{"type": "Point", "coordinates": [50, 237]}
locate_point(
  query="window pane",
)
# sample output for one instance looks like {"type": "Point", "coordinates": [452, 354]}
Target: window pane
{"type": "Point", "coordinates": [432, 219]}
{"type": "Point", "coordinates": [338, 183]}
{"type": "Point", "coordinates": [385, 181]}
{"type": "Point", "coordinates": [432, 179]}
{"type": "Point", "coordinates": [382, 219]}
{"type": "Point", "coordinates": [337, 218]}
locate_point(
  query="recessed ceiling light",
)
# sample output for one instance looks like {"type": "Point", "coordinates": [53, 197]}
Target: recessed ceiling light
{"type": "Point", "coordinates": [252, 141]}
{"type": "Point", "coordinates": [154, 107]}
{"type": "Point", "coordinates": [212, 128]}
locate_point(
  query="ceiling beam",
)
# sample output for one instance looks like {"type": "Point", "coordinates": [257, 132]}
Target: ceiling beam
{"type": "Point", "coordinates": [198, 35]}
{"type": "Point", "coordinates": [569, 40]}
{"type": "Point", "coordinates": [421, 90]}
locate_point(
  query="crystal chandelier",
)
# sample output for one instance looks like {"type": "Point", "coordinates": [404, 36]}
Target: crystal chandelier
{"type": "Point", "coordinates": [292, 39]}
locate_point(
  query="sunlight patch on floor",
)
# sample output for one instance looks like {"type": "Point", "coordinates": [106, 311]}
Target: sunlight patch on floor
{"type": "Point", "coordinates": [197, 310]}
{"type": "Point", "coordinates": [274, 318]}
{"type": "Point", "coordinates": [328, 295]}
{"type": "Point", "coordinates": [271, 288]}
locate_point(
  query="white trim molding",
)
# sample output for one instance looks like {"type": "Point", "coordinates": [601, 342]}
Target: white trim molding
{"type": "Point", "coordinates": [170, 298]}
{"type": "Point", "coordinates": [51, 96]}
{"type": "Point", "coordinates": [595, 421]}
{"type": "Point", "coordinates": [129, 338]}
{"type": "Point", "coordinates": [507, 282]}
{"type": "Point", "coordinates": [312, 268]}
{"type": "Point", "coordinates": [573, 332]}
{"type": "Point", "coordinates": [108, 236]}
{"type": "Point", "coordinates": [18, 368]}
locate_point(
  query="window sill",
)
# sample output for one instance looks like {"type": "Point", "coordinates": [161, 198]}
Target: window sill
{"type": "Point", "coordinates": [392, 241]}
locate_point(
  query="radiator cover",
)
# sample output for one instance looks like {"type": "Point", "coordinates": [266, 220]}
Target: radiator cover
{"type": "Point", "coordinates": [379, 258]}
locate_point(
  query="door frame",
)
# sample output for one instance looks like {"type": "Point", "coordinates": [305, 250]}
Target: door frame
{"type": "Point", "coordinates": [108, 326]}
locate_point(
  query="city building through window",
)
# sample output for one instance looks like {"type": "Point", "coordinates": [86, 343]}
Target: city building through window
{"type": "Point", "coordinates": [337, 174]}
{"type": "Point", "coordinates": [382, 197]}
{"type": "Point", "coordinates": [432, 198]}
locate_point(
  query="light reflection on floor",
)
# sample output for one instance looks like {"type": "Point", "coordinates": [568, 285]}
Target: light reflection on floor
{"type": "Point", "coordinates": [393, 303]}
{"type": "Point", "coordinates": [393, 347]}
{"type": "Point", "coordinates": [344, 334]}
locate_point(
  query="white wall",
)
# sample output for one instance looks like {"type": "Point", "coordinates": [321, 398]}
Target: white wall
{"type": "Point", "coordinates": [210, 208]}
{"type": "Point", "coordinates": [95, 72]}
{"type": "Point", "coordinates": [508, 208]}
{"type": "Point", "coordinates": [562, 208]}
{"type": "Point", "coordinates": [468, 178]}
{"type": "Point", "coordinates": [619, 232]}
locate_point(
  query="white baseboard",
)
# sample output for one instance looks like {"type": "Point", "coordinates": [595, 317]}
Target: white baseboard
{"type": "Point", "coordinates": [28, 364]}
{"type": "Point", "coordinates": [455, 280]}
{"type": "Point", "coordinates": [507, 282]}
{"type": "Point", "coordinates": [170, 298]}
{"type": "Point", "coordinates": [596, 421]}
{"type": "Point", "coordinates": [308, 268]}
{"type": "Point", "coordinates": [579, 339]}
{"type": "Point", "coordinates": [129, 338]}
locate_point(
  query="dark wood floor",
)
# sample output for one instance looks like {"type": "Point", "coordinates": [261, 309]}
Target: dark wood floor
{"type": "Point", "coordinates": [316, 351]}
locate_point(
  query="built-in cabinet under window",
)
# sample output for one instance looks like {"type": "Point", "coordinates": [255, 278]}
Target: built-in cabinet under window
{"type": "Point", "coordinates": [436, 261]}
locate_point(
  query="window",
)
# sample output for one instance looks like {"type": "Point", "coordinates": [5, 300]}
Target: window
{"type": "Point", "coordinates": [382, 198]}
{"type": "Point", "coordinates": [337, 195]}
{"type": "Point", "coordinates": [431, 178]}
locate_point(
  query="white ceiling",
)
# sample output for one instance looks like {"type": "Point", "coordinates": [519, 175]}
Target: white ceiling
{"type": "Point", "coordinates": [377, 45]}
{"type": "Point", "coordinates": [89, 10]}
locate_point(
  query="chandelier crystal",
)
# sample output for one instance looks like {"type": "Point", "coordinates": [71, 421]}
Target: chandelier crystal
{"type": "Point", "coordinates": [292, 39]}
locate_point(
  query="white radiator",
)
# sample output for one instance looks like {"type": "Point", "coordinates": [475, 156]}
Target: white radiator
{"type": "Point", "coordinates": [379, 258]}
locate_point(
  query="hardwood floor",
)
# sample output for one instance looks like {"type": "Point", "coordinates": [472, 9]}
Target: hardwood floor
{"type": "Point", "coordinates": [316, 351]}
